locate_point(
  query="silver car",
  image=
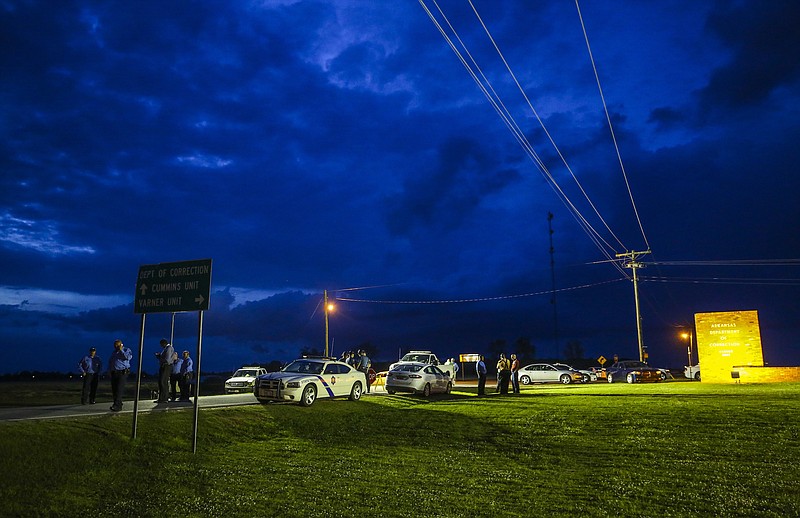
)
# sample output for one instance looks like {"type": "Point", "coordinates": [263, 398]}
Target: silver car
{"type": "Point", "coordinates": [548, 373]}
{"type": "Point", "coordinates": [418, 378]}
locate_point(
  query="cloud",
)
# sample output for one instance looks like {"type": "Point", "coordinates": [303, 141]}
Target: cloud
{"type": "Point", "coordinates": [765, 46]}
{"type": "Point", "coordinates": [444, 196]}
{"type": "Point", "coordinates": [41, 236]}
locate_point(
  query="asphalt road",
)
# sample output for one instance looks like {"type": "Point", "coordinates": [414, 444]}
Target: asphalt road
{"type": "Point", "coordinates": [103, 407]}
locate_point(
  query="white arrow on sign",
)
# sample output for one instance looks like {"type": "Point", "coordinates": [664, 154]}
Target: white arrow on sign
{"type": "Point", "coordinates": [199, 299]}
{"type": "Point", "coordinates": [143, 289]}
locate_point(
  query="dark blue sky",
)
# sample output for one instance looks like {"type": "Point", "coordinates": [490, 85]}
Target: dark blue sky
{"type": "Point", "coordinates": [311, 145]}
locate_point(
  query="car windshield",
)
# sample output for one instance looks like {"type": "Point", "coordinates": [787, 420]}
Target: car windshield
{"type": "Point", "coordinates": [304, 367]}
{"type": "Point", "coordinates": [245, 373]}
{"type": "Point", "coordinates": [408, 368]}
{"type": "Point", "coordinates": [563, 367]}
{"type": "Point", "coordinates": [415, 358]}
{"type": "Point", "coordinates": [633, 365]}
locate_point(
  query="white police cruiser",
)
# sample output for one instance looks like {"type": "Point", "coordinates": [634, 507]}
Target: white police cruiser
{"type": "Point", "coordinates": [306, 379]}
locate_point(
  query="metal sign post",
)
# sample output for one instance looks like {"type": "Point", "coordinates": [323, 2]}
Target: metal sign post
{"type": "Point", "coordinates": [138, 378]}
{"type": "Point", "coordinates": [172, 288]}
{"type": "Point", "coordinates": [197, 384]}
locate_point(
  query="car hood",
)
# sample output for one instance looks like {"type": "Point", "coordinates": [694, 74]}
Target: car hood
{"type": "Point", "coordinates": [286, 376]}
{"type": "Point", "coordinates": [241, 378]}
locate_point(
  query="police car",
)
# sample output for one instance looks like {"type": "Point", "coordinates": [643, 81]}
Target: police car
{"type": "Point", "coordinates": [306, 379]}
{"type": "Point", "coordinates": [243, 379]}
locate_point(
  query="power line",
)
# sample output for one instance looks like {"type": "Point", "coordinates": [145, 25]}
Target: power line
{"type": "Point", "coordinates": [610, 126]}
{"type": "Point", "coordinates": [725, 280]}
{"type": "Point", "coordinates": [496, 102]}
{"type": "Point", "coordinates": [479, 299]}
{"type": "Point", "coordinates": [734, 262]}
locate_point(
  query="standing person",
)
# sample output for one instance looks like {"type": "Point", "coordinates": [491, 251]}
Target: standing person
{"type": "Point", "coordinates": [480, 369]}
{"type": "Point", "coordinates": [90, 367]}
{"type": "Point", "coordinates": [503, 374]}
{"type": "Point", "coordinates": [363, 365]}
{"type": "Point", "coordinates": [175, 376]}
{"type": "Point", "coordinates": [164, 369]}
{"type": "Point", "coordinates": [187, 372]}
{"type": "Point", "coordinates": [119, 366]}
{"type": "Point", "coordinates": [515, 373]}
{"type": "Point", "coordinates": [455, 369]}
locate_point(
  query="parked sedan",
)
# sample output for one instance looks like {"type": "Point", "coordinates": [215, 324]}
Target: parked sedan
{"type": "Point", "coordinates": [587, 375]}
{"type": "Point", "coordinates": [634, 371]}
{"type": "Point", "coordinates": [548, 373]}
{"type": "Point", "coordinates": [418, 378]}
{"type": "Point", "coordinates": [692, 372]}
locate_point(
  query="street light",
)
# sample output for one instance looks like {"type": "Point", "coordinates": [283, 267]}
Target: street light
{"type": "Point", "coordinates": [329, 307]}
{"type": "Point", "coordinates": [689, 350]}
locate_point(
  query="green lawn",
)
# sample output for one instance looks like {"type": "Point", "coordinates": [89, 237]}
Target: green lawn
{"type": "Point", "coordinates": [669, 449]}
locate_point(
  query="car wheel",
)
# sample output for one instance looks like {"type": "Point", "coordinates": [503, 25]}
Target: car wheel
{"type": "Point", "coordinates": [355, 392]}
{"type": "Point", "coordinates": [427, 390]}
{"type": "Point", "coordinates": [391, 392]}
{"type": "Point", "coordinates": [663, 376]}
{"type": "Point", "coordinates": [525, 380]}
{"type": "Point", "coordinates": [610, 377]}
{"type": "Point", "coordinates": [631, 378]}
{"type": "Point", "coordinates": [309, 395]}
{"type": "Point", "coordinates": [566, 379]}
{"type": "Point", "coordinates": [697, 376]}
{"type": "Point", "coordinates": [449, 388]}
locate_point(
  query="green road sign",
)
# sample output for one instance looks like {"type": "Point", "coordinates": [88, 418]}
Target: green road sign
{"type": "Point", "coordinates": [173, 287]}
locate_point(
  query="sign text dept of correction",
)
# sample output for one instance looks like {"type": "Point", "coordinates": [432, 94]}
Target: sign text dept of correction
{"type": "Point", "coordinates": [173, 287]}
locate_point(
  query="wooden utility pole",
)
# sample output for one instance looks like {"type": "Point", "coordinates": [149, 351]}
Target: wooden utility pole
{"type": "Point", "coordinates": [634, 265]}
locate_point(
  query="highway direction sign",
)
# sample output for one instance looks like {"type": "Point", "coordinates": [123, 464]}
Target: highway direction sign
{"type": "Point", "coordinates": [173, 287]}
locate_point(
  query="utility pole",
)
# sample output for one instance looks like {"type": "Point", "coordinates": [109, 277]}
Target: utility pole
{"type": "Point", "coordinates": [553, 276]}
{"type": "Point", "coordinates": [634, 265]}
{"type": "Point", "coordinates": [325, 305]}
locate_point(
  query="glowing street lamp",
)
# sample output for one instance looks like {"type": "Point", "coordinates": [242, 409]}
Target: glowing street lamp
{"type": "Point", "coordinates": [329, 307]}
{"type": "Point", "coordinates": [689, 350]}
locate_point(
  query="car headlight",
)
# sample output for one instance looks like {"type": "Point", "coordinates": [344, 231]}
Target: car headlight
{"type": "Point", "coordinates": [293, 384]}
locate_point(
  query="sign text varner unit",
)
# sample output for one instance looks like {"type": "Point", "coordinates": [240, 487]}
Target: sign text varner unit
{"type": "Point", "coordinates": [173, 287]}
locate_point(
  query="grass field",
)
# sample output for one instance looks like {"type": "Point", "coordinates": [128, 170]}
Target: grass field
{"type": "Point", "coordinates": [670, 449]}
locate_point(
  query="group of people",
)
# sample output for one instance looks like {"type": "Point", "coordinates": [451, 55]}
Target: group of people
{"type": "Point", "coordinates": [507, 371]}
{"type": "Point", "coordinates": [173, 372]}
{"type": "Point", "coordinates": [359, 361]}
{"type": "Point", "coordinates": [178, 371]}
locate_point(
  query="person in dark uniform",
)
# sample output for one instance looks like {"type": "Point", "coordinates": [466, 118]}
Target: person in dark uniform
{"type": "Point", "coordinates": [364, 365]}
{"type": "Point", "coordinates": [90, 366]}
{"type": "Point", "coordinates": [480, 369]}
{"type": "Point", "coordinates": [119, 366]}
{"type": "Point", "coordinates": [164, 370]}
